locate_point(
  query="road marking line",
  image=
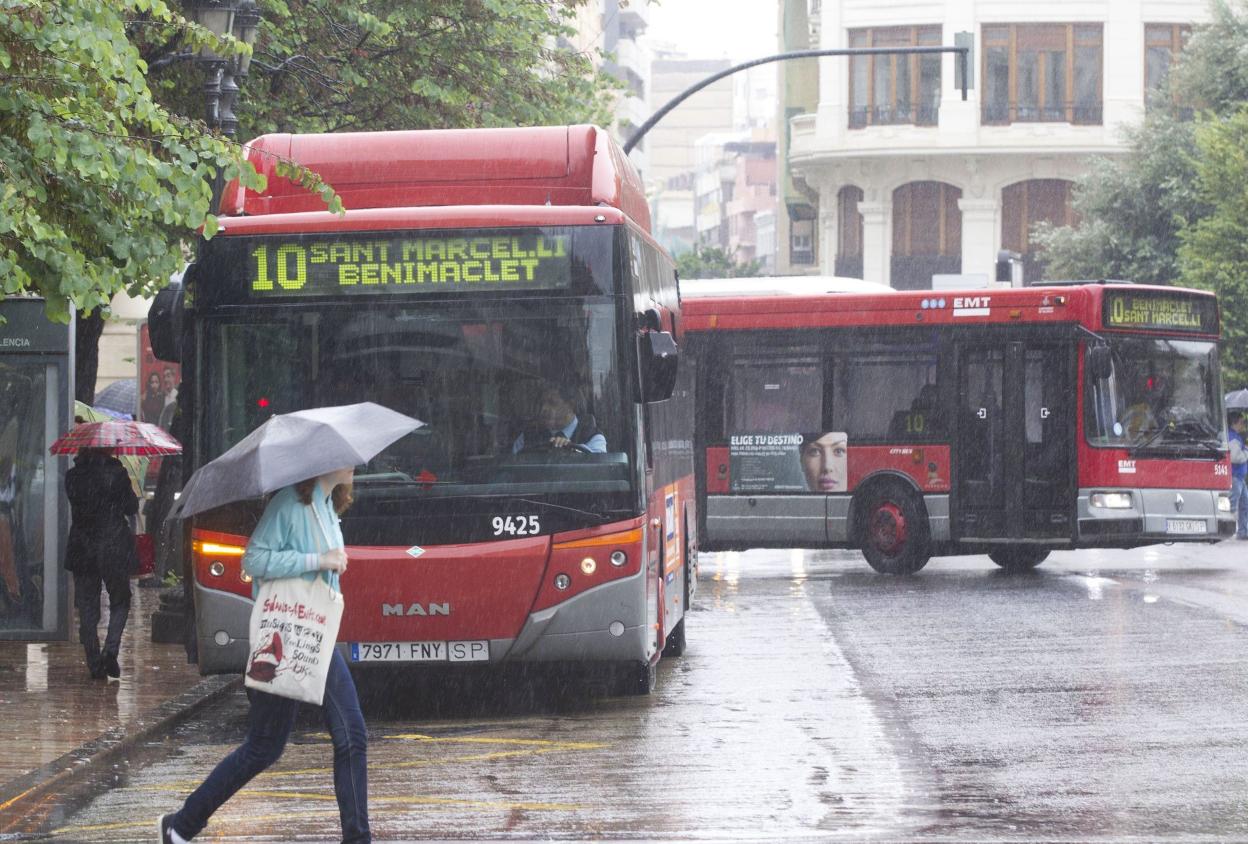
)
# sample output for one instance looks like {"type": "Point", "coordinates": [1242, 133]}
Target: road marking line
{"type": "Point", "coordinates": [569, 745]}
{"type": "Point", "coordinates": [187, 785]}
{"type": "Point", "coordinates": [419, 800]}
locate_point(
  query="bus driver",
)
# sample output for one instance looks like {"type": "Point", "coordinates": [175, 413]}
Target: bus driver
{"type": "Point", "coordinates": [556, 424]}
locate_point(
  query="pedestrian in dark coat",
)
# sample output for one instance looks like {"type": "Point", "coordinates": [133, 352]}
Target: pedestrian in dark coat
{"type": "Point", "coordinates": [101, 552]}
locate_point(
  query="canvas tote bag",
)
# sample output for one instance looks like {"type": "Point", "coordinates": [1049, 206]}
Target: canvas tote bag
{"type": "Point", "coordinates": [294, 626]}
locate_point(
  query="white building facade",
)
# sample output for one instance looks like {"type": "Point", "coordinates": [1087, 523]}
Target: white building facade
{"type": "Point", "coordinates": [912, 181]}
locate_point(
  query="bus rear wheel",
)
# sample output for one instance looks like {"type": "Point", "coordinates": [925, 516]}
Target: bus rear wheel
{"type": "Point", "coordinates": [1022, 558]}
{"type": "Point", "coordinates": [894, 531]}
{"type": "Point", "coordinates": [635, 678]}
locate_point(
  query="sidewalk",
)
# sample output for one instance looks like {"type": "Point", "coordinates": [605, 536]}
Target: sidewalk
{"type": "Point", "coordinates": [58, 722]}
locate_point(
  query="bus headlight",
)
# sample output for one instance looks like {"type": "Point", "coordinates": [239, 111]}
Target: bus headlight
{"type": "Point", "coordinates": [216, 568]}
{"type": "Point", "coordinates": [1111, 500]}
{"type": "Point", "coordinates": [1224, 503]}
{"type": "Point", "coordinates": [562, 581]}
{"type": "Point", "coordinates": [588, 565]}
{"type": "Point", "coordinates": [618, 558]}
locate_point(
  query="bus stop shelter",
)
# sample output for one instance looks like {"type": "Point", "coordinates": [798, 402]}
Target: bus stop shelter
{"type": "Point", "coordinates": [36, 394]}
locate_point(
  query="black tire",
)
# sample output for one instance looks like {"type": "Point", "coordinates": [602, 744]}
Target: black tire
{"type": "Point", "coordinates": [893, 532]}
{"type": "Point", "coordinates": [635, 679]}
{"type": "Point", "coordinates": [676, 639]}
{"type": "Point", "coordinates": [1019, 558]}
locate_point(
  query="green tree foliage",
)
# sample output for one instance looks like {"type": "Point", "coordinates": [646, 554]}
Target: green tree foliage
{"type": "Point", "coordinates": [1214, 253]}
{"type": "Point", "coordinates": [352, 65]}
{"type": "Point", "coordinates": [101, 189]}
{"type": "Point", "coordinates": [713, 262]}
{"type": "Point", "coordinates": [1130, 209]}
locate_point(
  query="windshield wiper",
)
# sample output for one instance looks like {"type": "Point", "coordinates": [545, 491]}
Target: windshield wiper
{"type": "Point", "coordinates": [1199, 426]}
{"type": "Point", "coordinates": [602, 517]}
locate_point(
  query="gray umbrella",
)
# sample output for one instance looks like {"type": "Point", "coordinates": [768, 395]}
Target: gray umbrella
{"type": "Point", "coordinates": [292, 447]}
{"type": "Point", "coordinates": [1237, 400]}
{"type": "Point", "coordinates": [119, 397]}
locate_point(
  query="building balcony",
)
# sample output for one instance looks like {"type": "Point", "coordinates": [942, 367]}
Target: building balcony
{"type": "Point", "coordinates": [953, 129]}
{"type": "Point", "coordinates": [1002, 114]}
{"type": "Point", "coordinates": [894, 115]}
{"type": "Point", "coordinates": [631, 55]}
{"type": "Point", "coordinates": [634, 16]}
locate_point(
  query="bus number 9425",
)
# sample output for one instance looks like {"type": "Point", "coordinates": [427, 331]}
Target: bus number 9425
{"type": "Point", "coordinates": [516, 526]}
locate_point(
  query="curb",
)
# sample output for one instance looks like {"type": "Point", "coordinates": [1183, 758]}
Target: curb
{"type": "Point", "coordinates": [104, 748]}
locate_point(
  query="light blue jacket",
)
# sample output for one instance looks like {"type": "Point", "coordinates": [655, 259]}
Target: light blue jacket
{"type": "Point", "coordinates": [285, 542]}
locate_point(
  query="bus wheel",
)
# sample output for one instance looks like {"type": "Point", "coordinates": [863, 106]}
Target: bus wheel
{"type": "Point", "coordinates": [1019, 558]}
{"type": "Point", "coordinates": [894, 532]}
{"type": "Point", "coordinates": [676, 639]}
{"type": "Point", "coordinates": [635, 678]}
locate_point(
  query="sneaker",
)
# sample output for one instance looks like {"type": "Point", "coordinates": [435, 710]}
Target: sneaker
{"type": "Point", "coordinates": [168, 835]}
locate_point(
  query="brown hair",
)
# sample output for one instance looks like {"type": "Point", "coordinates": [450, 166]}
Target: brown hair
{"type": "Point", "coordinates": [342, 494]}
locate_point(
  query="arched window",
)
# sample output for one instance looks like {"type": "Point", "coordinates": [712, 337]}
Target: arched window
{"type": "Point", "coordinates": [849, 232]}
{"type": "Point", "coordinates": [927, 234]}
{"type": "Point", "coordinates": [1024, 204]}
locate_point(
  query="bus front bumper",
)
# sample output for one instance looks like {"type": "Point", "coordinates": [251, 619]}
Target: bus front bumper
{"type": "Point", "coordinates": [602, 624]}
{"type": "Point", "coordinates": [1126, 516]}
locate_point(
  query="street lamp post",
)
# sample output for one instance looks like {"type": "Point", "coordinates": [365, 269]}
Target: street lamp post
{"type": "Point", "coordinates": [241, 19]}
{"type": "Point", "coordinates": [222, 75]}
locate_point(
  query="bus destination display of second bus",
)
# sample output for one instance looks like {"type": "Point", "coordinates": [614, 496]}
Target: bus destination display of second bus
{"type": "Point", "coordinates": [405, 264]}
{"type": "Point", "coordinates": [1161, 312]}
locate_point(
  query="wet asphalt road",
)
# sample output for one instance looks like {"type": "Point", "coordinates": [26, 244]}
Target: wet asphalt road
{"type": "Point", "coordinates": [1101, 698]}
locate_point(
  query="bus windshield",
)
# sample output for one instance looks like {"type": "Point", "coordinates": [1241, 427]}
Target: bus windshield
{"type": "Point", "coordinates": [1160, 393]}
{"type": "Point", "coordinates": [492, 381]}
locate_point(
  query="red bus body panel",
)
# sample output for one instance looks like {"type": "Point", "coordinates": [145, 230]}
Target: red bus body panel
{"type": "Point", "coordinates": [489, 588]}
{"type": "Point", "coordinates": [556, 166]}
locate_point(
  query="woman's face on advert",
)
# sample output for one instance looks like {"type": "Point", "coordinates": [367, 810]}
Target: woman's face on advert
{"type": "Point", "coordinates": [823, 462]}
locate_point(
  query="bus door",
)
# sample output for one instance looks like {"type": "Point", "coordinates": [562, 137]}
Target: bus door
{"type": "Point", "coordinates": [1014, 462]}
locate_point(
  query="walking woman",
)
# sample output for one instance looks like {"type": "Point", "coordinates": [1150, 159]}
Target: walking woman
{"type": "Point", "coordinates": [101, 552]}
{"type": "Point", "coordinates": [298, 536]}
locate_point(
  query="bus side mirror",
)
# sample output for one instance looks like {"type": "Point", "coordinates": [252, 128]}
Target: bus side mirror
{"type": "Point", "coordinates": [164, 323]}
{"type": "Point", "coordinates": [1100, 362]}
{"type": "Point", "coordinates": [659, 362]}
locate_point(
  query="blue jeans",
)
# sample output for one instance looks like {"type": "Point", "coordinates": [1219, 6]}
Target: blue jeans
{"type": "Point", "coordinates": [1239, 505]}
{"type": "Point", "coordinates": [269, 725]}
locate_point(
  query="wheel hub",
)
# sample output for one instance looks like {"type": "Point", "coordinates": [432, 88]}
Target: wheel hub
{"type": "Point", "coordinates": [888, 528]}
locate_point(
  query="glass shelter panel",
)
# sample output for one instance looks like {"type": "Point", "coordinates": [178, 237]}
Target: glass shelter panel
{"type": "Point", "coordinates": [29, 570]}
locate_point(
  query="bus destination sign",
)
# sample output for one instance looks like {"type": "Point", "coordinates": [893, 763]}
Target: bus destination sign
{"type": "Point", "coordinates": [1160, 311]}
{"type": "Point", "coordinates": [409, 263]}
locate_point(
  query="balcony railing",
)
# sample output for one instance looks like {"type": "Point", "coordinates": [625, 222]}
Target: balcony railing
{"type": "Point", "coordinates": [894, 115]}
{"type": "Point", "coordinates": [1001, 114]}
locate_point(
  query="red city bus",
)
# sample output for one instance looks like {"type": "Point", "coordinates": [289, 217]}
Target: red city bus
{"type": "Point", "coordinates": [909, 424]}
{"type": "Point", "coordinates": [477, 277]}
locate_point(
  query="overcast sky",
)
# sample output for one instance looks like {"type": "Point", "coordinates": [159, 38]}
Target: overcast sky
{"type": "Point", "coordinates": [713, 29]}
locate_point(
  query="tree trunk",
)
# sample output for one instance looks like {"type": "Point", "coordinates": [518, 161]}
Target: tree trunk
{"type": "Point", "coordinates": [87, 354]}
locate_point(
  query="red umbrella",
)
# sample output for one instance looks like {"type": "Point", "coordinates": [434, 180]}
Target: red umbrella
{"type": "Point", "coordinates": [140, 439]}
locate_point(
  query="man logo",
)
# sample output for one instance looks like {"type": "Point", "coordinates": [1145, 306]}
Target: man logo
{"type": "Point", "coordinates": [416, 609]}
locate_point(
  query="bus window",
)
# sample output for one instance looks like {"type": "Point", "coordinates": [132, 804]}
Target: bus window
{"type": "Point", "coordinates": [887, 394]}
{"type": "Point", "coordinates": [779, 397]}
